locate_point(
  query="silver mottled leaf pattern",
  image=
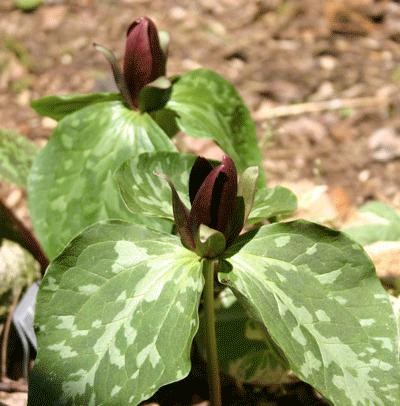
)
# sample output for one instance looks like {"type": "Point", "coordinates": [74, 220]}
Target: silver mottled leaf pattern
{"type": "Point", "coordinates": [317, 293]}
{"type": "Point", "coordinates": [117, 312]}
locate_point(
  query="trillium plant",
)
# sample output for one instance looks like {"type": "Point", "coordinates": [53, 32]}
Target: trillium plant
{"type": "Point", "coordinates": [152, 250]}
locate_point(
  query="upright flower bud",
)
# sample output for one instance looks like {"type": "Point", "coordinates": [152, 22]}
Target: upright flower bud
{"type": "Point", "coordinates": [144, 59]}
{"type": "Point", "coordinates": [144, 66]}
{"type": "Point", "coordinates": [219, 206]}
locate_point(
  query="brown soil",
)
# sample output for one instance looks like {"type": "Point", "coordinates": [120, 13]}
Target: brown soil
{"type": "Point", "coordinates": [277, 53]}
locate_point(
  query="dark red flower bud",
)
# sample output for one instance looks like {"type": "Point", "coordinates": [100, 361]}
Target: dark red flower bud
{"type": "Point", "coordinates": [144, 67]}
{"type": "Point", "coordinates": [144, 59]}
{"type": "Point", "coordinates": [214, 203]}
{"type": "Point", "coordinates": [217, 211]}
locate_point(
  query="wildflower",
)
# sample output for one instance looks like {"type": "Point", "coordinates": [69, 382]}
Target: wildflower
{"type": "Point", "coordinates": [144, 60]}
{"type": "Point", "coordinates": [220, 206]}
{"type": "Point", "coordinates": [144, 66]}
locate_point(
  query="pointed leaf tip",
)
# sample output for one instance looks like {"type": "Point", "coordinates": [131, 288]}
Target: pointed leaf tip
{"type": "Point", "coordinates": [118, 76]}
{"type": "Point", "coordinates": [210, 243]}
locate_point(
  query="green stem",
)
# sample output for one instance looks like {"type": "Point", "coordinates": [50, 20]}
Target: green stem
{"type": "Point", "coordinates": [211, 342]}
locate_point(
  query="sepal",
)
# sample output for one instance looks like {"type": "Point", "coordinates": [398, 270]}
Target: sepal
{"type": "Point", "coordinates": [247, 188]}
{"type": "Point", "coordinates": [210, 243]}
{"type": "Point", "coordinates": [155, 95]}
{"type": "Point", "coordinates": [118, 76]}
{"type": "Point", "coordinates": [181, 215]}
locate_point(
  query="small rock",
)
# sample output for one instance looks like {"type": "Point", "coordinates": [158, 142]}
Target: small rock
{"type": "Point", "coordinates": [13, 197]}
{"type": "Point", "coordinates": [324, 92]}
{"type": "Point", "coordinates": [364, 175]}
{"type": "Point", "coordinates": [328, 62]}
{"type": "Point", "coordinates": [24, 98]}
{"type": "Point", "coordinates": [385, 144]}
{"type": "Point", "coordinates": [341, 201]}
{"type": "Point", "coordinates": [52, 17]}
{"type": "Point", "coordinates": [17, 71]}
{"type": "Point", "coordinates": [66, 59]}
{"type": "Point", "coordinates": [306, 128]}
{"type": "Point", "coordinates": [178, 13]}
{"type": "Point", "coordinates": [343, 131]}
{"type": "Point", "coordinates": [190, 64]}
{"type": "Point", "coordinates": [284, 91]}
{"type": "Point", "coordinates": [314, 202]}
{"type": "Point", "coordinates": [49, 123]}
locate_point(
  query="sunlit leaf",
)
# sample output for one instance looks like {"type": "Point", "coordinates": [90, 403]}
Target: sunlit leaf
{"type": "Point", "coordinates": [142, 191]}
{"type": "Point", "coordinates": [317, 293]}
{"type": "Point", "coordinates": [71, 184]}
{"type": "Point", "coordinates": [116, 313]}
{"type": "Point", "coordinates": [208, 106]}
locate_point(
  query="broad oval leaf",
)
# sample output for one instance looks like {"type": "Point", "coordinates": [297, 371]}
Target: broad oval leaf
{"type": "Point", "coordinates": [116, 312]}
{"type": "Point", "coordinates": [142, 191]}
{"type": "Point", "coordinates": [317, 293]}
{"type": "Point", "coordinates": [71, 185]}
{"type": "Point", "coordinates": [208, 106]}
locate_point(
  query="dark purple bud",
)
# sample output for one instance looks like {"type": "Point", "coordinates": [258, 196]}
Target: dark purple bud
{"type": "Point", "coordinates": [144, 59]}
{"type": "Point", "coordinates": [200, 170]}
{"type": "Point", "coordinates": [215, 201]}
{"type": "Point", "coordinates": [216, 204]}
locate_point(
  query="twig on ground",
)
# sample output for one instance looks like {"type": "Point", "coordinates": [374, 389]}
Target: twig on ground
{"type": "Point", "coordinates": [314, 107]}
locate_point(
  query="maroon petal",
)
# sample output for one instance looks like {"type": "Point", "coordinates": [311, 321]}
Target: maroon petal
{"type": "Point", "coordinates": [181, 215]}
{"type": "Point", "coordinates": [200, 170]}
{"type": "Point", "coordinates": [200, 212]}
{"type": "Point", "coordinates": [224, 197]}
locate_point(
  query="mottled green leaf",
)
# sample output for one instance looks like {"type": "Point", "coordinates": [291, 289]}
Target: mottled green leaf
{"type": "Point", "coordinates": [142, 191]}
{"type": "Point", "coordinates": [384, 224]}
{"type": "Point", "coordinates": [166, 120]}
{"type": "Point", "coordinates": [117, 312]}
{"type": "Point", "coordinates": [278, 201]}
{"type": "Point", "coordinates": [16, 156]}
{"type": "Point", "coordinates": [317, 293]}
{"type": "Point", "coordinates": [208, 106]}
{"type": "Point", "coordinates": [71, 184]}
{"type": "Point", "coordinates": [58, 107]}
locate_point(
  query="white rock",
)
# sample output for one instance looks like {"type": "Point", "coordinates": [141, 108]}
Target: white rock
{"type": "Point", "coordinates": [385, 144]}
